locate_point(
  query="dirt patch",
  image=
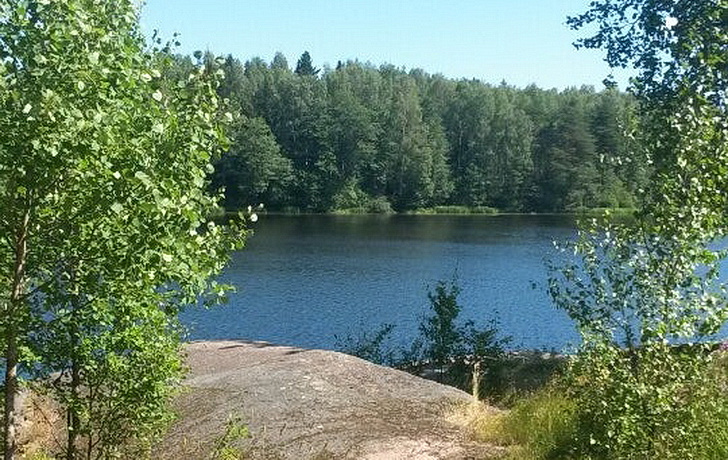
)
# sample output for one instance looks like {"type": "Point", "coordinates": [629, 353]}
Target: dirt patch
{"type": "Point", "coordinates": [312, 404]}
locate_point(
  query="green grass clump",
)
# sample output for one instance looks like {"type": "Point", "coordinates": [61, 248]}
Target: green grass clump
{"type": "Point", "coordinates": [538, 427]}
{"type": "Point", "coordinates": [227, 445]}
{"type": "Point", "coordinates": [456, 210]}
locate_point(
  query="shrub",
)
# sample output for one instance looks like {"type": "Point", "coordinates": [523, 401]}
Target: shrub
{"type": "Point", "coordinates": [521, 373]}
{"type": "Point", "coordinates": [452, 349]}
{"type": "Point", "coordinates": [369, 346]}
{"type": "Point", "coordinates": [349, 196]}
{"type": "Point", "coordinates": [600, 413]}
{"type": "Point", "coordinates": [379, 205]}
{"type": "Point", "coordinates": [456, 209]}
{"type": "Point", "coordinates": [646, 383]}
{"type": "Point", "coordinates": [445, 349]}
{"type": "Point", "coordinates": [656, 402]}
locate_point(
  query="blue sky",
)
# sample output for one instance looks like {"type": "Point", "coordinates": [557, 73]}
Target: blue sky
{"type": "Point", "coordinates": [519, 41]}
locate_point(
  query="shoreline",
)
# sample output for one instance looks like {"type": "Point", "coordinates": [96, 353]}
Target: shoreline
{"type": "Point", "coordinates": [596, 212]}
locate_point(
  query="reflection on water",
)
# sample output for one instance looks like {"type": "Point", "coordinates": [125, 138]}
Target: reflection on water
{"type": "Point", "coordinates": [304, 279]}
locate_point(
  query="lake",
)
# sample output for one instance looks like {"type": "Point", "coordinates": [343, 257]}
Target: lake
{"type": "Point", "coordinates": [303, 280]}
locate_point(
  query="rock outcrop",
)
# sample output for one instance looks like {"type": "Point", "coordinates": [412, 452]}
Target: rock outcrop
{"type": "Point", "coordinates": [313, 404]}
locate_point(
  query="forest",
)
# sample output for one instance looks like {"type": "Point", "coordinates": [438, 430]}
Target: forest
{"type": "Point", "coordinates": [361, 138]}
{"type": "Point", "coordinates": [107, 229]}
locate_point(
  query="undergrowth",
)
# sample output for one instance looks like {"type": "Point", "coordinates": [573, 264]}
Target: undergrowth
{"type": "Point", "coordinates": [559, 421]}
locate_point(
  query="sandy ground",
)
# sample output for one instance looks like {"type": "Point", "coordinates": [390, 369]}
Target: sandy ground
{"type": "Point", "coordinates": [312, 404]}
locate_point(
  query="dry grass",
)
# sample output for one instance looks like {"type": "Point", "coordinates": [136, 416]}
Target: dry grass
{"type": "Point", "coordinates": [483, 423]}
{"type": "Point", "coordinates": [536, 427]}
{"type": "Point", "coordinates": [43, 427]}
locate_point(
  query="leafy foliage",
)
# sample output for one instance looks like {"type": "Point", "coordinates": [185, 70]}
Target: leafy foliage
{"type": "Point", "coordinates": [445, 346]}
{"type": "Point", "coordinates": [360, 133]}
{"type": "Point", "coordinates": [104, 157]}
{"type": "Point", "coordinates": [370, 346]}
{"type": "Point", "coordinates": [225, 445]}
{"type": "Point", "coordinates": [254, 170]}
{"type": "Point", "coordinates": [647, 298]}
{"type": "Point", "coordinates": [453, 348]}
{"type": "Point", "coordinates": [643, 378]}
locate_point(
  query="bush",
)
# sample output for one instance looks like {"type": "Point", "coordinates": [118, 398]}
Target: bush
{"type": "Point", "coordinates": [369, 346]}
{"type": "Point", "coordinates": [656, 402]}
{"type": "Point", "coordinates": [380, 205]}
{"type": "Point", "coordinates": [646, 383]}
{"type": "Point", "coordinates": [600, 413]}
{"type": "Point", "coordinates": [445, 349]}
{"type": "Point", "coordinates": [453, 350]}
{"type": "Point", "coordinates": [521, 373]}
{"type": "Point", "coordinates": [350, 196]}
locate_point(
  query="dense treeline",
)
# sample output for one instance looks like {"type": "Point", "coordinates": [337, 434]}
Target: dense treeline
{"type": "Point", "coordinates": [375, 139]}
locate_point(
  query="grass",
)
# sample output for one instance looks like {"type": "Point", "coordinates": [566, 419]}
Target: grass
{"type": "Point", "coordinates": [357, 211]}
{"type": "Point", "coordinates": [40, 456]}
{"type": "Point", "coordinates": [455, 210]}
{"type": "Point", "coordinates": [384, 208]}
{"type": "Point", "coordinates": [538, 427]}
{"type": "Point", "coordinates": [226, 445]}
{"type": "Point", "coordinates": [549, 424]}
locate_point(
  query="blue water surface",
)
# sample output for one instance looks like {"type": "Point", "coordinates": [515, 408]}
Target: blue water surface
{"type": "Point", "coordinates": [303, 280]}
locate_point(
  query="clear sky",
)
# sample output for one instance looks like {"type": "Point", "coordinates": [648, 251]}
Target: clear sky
{"type": "Point", "coordinates": [519, 41]}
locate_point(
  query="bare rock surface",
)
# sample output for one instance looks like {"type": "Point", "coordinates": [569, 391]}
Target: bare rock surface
{"type": "Point", "coordinates": [313, 404]}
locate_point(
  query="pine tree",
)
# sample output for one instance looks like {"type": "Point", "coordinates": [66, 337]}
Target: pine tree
{"type": "Point", "coordinates": [305, 66]}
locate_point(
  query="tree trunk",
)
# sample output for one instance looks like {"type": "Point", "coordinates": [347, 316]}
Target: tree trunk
{"type": "Point", "coordinates": [73, 421]}
{"type": "Point", "coordinates": [11, 389]}
{"type": "Point", "coordinates": [12, 409]}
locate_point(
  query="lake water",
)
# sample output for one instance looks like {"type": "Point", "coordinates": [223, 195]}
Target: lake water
{"type": "Point", "coordinates": [302, 280]}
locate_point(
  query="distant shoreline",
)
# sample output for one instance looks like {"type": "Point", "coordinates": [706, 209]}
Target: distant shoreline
{"type": "Point", "coordinates": [448, 211]}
